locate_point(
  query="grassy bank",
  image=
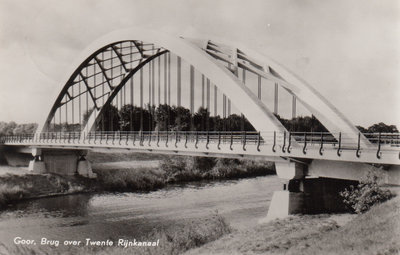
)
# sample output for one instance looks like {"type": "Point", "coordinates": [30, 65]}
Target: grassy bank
{"type": "Point", "coordinates": [182, 168]}
{"type": "Point", "coordinates": [18, 187]}
{"type": "Point", "coordinates": [375, 232]}
{"type": "Point", "coordinates": [175, 240]}
{"type": "Point", "coordinates": [106, 157]}
{"type": "Point", "coordinates": [177, 169]}
{"type": "Point", "coordinates": [133, 175]}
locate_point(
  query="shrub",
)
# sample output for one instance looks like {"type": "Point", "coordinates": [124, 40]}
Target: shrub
{"type": "Point", "coordinates": [367, 193]}
{"type": "Point", "coordinates": [9, 193]}
{"type": "Point", "coordinates": [187, 168]}
{"type": "Point", "coordinates": [140, 179]}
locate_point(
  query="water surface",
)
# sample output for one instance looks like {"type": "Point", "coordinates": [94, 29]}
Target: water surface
{"type": "Point", "coordinates": [134, 215]}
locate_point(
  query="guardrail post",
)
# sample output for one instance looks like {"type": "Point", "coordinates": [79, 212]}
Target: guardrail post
{"type": "Point", "coordinates": [150, 136]}
{"type": "Point", "coordinates": [305, 143]}
{"type": "Point", "coordinates": [358, 152]}
{"type": "Point", "coordinates": [339, 153]}
{"type": "Point", "coordinates": [208, 139]}
{"type": "Point", "coordinates": [230, 146]}
{"type": "Point", "coordinates": [219, 140]}
{"type": "Point", "coordinates": [274, 144]}
{"type": "Point", "coordinates": [197, 139]}
{"type": "Point", "coordinates": [166, 140]}
{"type": "Point", "coordinates": [378, 152]}
{"type": "Point", "coordinates": [244, 140]}
{"type": "Point", "coordinates": [186, 139]}
{"type": "Point", "coordinates": [321, 147]}
{"type": "Point", "coordinates": [158, 138]}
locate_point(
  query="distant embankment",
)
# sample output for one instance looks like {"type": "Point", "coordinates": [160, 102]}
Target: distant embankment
{"type": "Point", "coordinates": [129, 172]}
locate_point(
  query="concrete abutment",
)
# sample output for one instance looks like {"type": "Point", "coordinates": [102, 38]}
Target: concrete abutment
{"type": "Point", "coordinates": [313, 187]}
{"type": "Point", "coordinates": [63, 162]}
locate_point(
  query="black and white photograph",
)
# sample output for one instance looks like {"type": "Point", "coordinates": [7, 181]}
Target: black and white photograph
{"type": "Point", "coordinates": [199, 127]}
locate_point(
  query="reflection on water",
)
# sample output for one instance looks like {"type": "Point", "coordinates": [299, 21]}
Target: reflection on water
{"type": "Point", "coordinates": [135, 215]}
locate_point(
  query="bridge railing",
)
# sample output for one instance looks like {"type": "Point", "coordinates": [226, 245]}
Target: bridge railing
{"type": "Point", "coordinates": [284, 141]}
{"type": "Point", "coordinates": [24, 138]}
{"type": "Point", "coordinates": [176, 136]}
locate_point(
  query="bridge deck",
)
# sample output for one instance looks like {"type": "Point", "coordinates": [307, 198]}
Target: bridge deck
{"type": "Point", "coordinates": [384, 147]}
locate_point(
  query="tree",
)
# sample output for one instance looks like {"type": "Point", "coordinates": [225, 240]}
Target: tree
{"type": "Point", "coordinates": [182, 119]}
{"type": "Point", "coordinates": [126, 115]}
{"type": "Point", "coordinates": [162, 117]}
{"type": "Point", "coordinates": [215, 123]}
{"type": "Point", "coordinates": [235, 122]}
{"type": "Point", "coordinates": [23, 129]}
{"type": "Point", "coordinates": [134, 118]}
{"type": "Point", "coordinates": [383, 128]}
{"type": "Point", "coordinates": [302, 124]}
{"type": "Point", "coordinates": [7, 128]}
{"type": "Point", "coordinates": [109, 119]}
{"type": "Point", "coordinates": [362, 129]}
{"type": "Point", "coordinates": [200, 119]}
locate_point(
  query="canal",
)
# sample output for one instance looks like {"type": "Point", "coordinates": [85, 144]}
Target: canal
{"type": "Point", "coordinates": [135, 215]}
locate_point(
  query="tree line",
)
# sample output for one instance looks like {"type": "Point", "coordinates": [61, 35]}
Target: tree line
{"type": "Point", "coordinates": [167, 118]}
{"type": "Point", "coordinates": [177, 118]}
{"type": "Point", "coordinates": [12, 128]}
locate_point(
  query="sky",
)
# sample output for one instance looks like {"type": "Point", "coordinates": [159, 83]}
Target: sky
{"type": "Point", "coordinates": [349, 50]}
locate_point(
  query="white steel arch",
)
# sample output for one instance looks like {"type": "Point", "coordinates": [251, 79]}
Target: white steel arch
{"type": "Point", "coordinates": [255, 110]}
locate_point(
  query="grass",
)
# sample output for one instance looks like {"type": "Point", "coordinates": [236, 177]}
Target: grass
{"type": "Point", "coordinates": [102, 157]}
{"type": "Point", "coordinates": [10, 193]}
{"type": "Point", "coordinates": [17, 187]}
{"type": "Point", "coordinates": [375, 232]}
{"type": "Point", "coordinates": [175, 240]}
{"type": "Point", "coordinates": [175, 169]}
{"type": "Point", "coordinates": [184, 168]}
{"type": "Point", "coordinates": [140, 179]}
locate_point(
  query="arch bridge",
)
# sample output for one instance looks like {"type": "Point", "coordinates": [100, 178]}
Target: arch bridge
{"type": "Point", "coordinates": [151, 92]}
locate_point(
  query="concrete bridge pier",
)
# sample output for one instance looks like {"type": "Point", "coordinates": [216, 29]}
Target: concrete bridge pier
{"type": "Point", "coordinates": [63, 162]}
{"type": "Point", "coordinates": [305, 194]}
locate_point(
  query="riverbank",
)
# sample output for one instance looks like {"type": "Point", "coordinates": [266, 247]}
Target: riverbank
{"type": "Point", "coordinates": [187, 235]}
{"type": "Point", "coordinates": [15, 187]}
{"type": "Point", "coordinates": [375, 232]}
{"type": "Point", "coordinates": [128, 172]}
{"type": "Point", "coordinates": [317, 234]}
